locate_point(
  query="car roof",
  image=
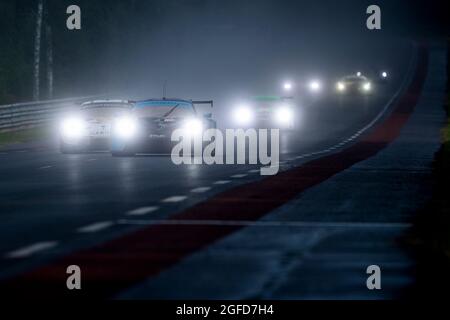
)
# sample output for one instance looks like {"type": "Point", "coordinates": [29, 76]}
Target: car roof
{"type": "Point", "coordinates": [163, 102]}
{"type": "Point", "coordinates": [354, 78]}
{"type": "Point", "coordinates": [106, 102]}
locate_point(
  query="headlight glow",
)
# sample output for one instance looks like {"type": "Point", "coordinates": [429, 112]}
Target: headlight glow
{"type": "Point", "coordinates": [73, 128]}
{"type": "Point", "coordinates": [284, 115]}
{"type": "Point", "coordinates": [367, 86]}
{"type": "Point", "coordinates": [287, 86]}
{"type": "Point", "coordinates": [315, 86]}
{"type": "Point", "coordinates": [384, 74]}
{"type": "Point", "coordinates": [125, 127]}
{"type": "Point", "coordinates": [193, 127]}
{"type": "Point", "coordinates": [340, 86]}
{"type": "Point", "coordinates": [243, 115]}
{"type": "Point", "coordinates": [358, 74]}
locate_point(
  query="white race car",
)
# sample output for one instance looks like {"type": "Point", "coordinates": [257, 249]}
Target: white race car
{"type": "Point", "coordinates": [266, 112]}
{"type": "Point", "coordinates": [89, 128]}
{"type": "Point", "coordinates": [354, 84]}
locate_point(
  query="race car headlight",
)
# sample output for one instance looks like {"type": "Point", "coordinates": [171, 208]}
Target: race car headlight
{"type": "Point", "coordinates": [243, 115]}
{"type": "Point", "coordinates": [73, 128]}
{"type": "Point", "coordinates": [287, 86]}
{"type": "Point", "coordinates": [193, 127]}
{"type": "Point", "coordinates": [284, 115]}
{"type": "Point", "coordinates": [367, 86]}
{"type": "Point", "coordinates": [340, 86]}
{"type": "Point", "coordinates": [384, 75]}
{"type": "Point", "coordinates": [315, 86]}
{"type": "Point", "coordinates": [125, 127]}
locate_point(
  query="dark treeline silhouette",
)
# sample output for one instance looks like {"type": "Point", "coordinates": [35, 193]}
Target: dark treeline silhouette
{"type": "Point", "coordinates": [125, 43]}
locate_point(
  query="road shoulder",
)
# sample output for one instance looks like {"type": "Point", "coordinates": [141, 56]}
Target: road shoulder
{"type": "Point", "coordinates": [430, 237]}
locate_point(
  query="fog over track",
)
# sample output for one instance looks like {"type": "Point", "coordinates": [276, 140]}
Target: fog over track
{"type": "Point", "coordinates": [74, 201]}
{"type": "Point", "coordinates": [57, 208]}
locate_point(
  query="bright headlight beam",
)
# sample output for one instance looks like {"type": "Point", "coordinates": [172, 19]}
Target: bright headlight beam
{"type": "Point", "coordinates": [367, 86]}
{"type": "Point", "coordinates": [315, 86]}
{"type": "Point", "coordinates": [193, 127]}
{"type": "Point", "coordinates": [359, 74]}
{"type": "Point", "coordinates": [384, 74]}
{"type": "Point", "coordinates": [284, 115]}
{"type": "Point", "coordinates": [243, 115]}
{"type": "Point", "coordinates": [287, 86]}
{"type": "Point", "coordinates": [73, 128]}
{"type": "Point", "coordinates": [340, 86]}
{"type": "Point", "coordinates": [125, 127]}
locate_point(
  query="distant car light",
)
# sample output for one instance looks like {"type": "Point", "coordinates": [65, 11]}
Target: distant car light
{"type": "Point", "coordinates": [243, 115]}
{"type": "Point", "coordinates": [125, 127]}
{"type": "Point", "coordinates": [340, 86]}
{"type": "Point", "coordinates": [315, 86]}
{"type": "Point", "coordinates": [73, 128]}
{"type": "Point", "coordinates": [284, 116]}
{"type": "Point", "coordinates": [367, 86]}
{"type": "Point", "coordinates": [384, 74]}
{"type": "Point", "coordinates": [287, 86]}
{"type": "Point", "coordinates": [358, 74]}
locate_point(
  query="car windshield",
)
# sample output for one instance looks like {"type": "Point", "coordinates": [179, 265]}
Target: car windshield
{"type": "Point", "coordinates": [164, 109]}
{"type": "Point", "coordinates": [269, 102]}
{"type": "Point", "coordinates": [104, 110]}
{"type": "Point", "coordinates": [354, 79]}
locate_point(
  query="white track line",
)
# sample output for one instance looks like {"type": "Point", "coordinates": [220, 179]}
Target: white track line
{"type": "Point", "coordinates": [298, 224]}
{"type": "Point", "coordinates": [201, 189]}
{"type": "Point", "coordinates": [45, 167]}
{"type": "Point", "coordinates": [222, 182]}
{"type": "Point", "coordinates": [254, 171]}
{"type": "Point", "coordinates": [142, 211]}
{"type": "Point", "coordinates": [95, 227]}
{"type": "Point", "coordinates": [174, 199]}
{"type": "Point", "coordinates": [239, 176]}
{"type": "Point", "coordinates": [31, 249]}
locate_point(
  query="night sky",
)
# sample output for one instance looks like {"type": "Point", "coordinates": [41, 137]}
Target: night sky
{"type": "Point", "coordinates": [204, 47]}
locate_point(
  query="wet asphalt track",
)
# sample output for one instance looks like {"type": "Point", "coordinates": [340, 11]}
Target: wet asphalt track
{"type": "Point", "coordinates": [54, 204]}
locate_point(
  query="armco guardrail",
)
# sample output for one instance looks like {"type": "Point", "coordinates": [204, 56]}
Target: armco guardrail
{"type": "Point", "coordinates": [32, 114]}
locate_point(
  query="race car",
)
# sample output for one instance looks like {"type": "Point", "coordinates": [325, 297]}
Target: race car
{"type": "Point", "coordinates": [89, 128]}
{"type": "Point", "coordinates": [265, 112]}
{"type": "Point", "coordinates": [149, 126]}
{"type": "Point", "coordinates": [354, 84]}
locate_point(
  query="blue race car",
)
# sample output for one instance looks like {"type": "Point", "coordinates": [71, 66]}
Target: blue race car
{"type": "Point", "coordinates": [149, 126]}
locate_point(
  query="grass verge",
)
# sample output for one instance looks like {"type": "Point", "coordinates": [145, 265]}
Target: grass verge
{"type": "Point", "coordinates": [22, 136]}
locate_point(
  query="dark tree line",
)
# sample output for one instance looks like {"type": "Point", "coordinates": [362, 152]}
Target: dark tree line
{"type": "Point", "coordinates": [81, 60]}
{"type": "Point", "coordinates": [121, 39]}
